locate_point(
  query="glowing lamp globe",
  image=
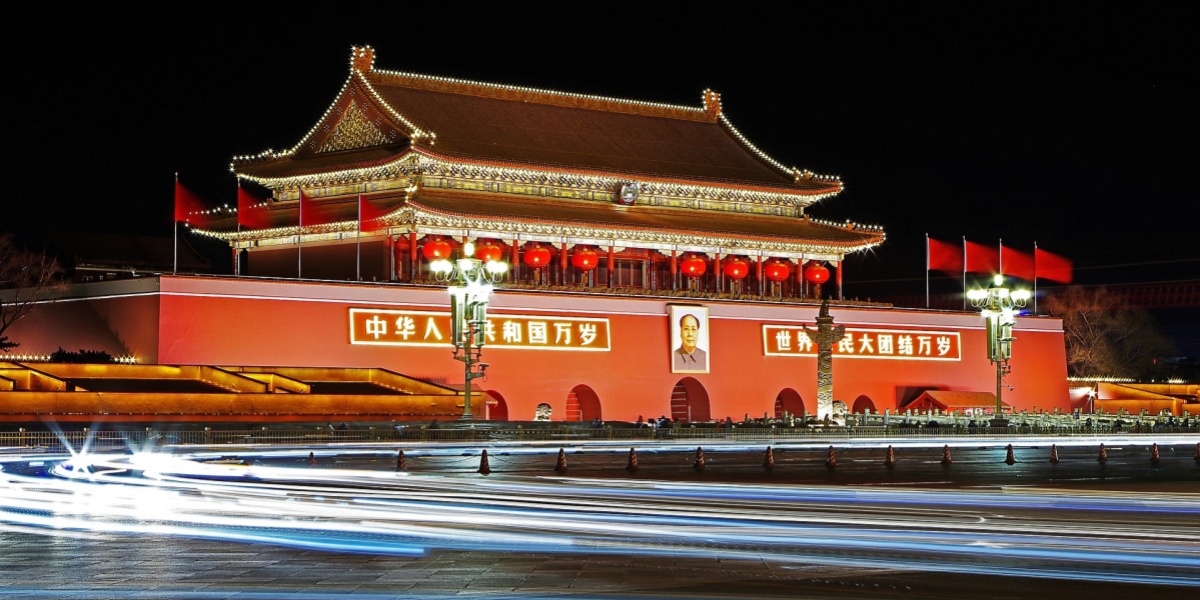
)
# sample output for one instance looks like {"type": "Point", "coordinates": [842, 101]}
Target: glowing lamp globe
{"type": "Point", "coordinates": [776, 270]}
{"type": "Point", "coordinates": [816, 273]}
{"type": "Point", "coordinates": [736, 268]}
{"type": "Point", "coordinates": [489, 252]}
{"type": "Point", "coordinates": [693, 266]}
{"type": "Point", "coordinates": [537, 257]}
{"type": "Point", "coordinates": [436, 250]}
{"type": "Point", "coordinates": [585, 259]}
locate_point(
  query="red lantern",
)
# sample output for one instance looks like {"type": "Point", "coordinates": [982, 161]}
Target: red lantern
{"type": "Point", "coordinates": [488, 251]}
{"type": "Point", "coordinates": [776, 270]}
{"type": "Point", "coordinates": [693, 266]}
{"type": "Point", "coordinates": [436, 249]}
{"type": "Point", "coordinates": [537, 257]}
{"type": "Point", "coordinates": [816, 273]}
{"type": "Point", "coordinates": [584, 259]}
{"type": "Point", "coordinates": [736, 268]}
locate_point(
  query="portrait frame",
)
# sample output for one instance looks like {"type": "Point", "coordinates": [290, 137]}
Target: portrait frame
{"type": "Point", "coordinates": [698, 360]}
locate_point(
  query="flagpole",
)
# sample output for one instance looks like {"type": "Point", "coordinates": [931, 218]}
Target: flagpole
{"type": "Point", "coordinates": [358, 242]}
{"type": "Point", "coordinates": [175, 228]}
{"type": "Point", "coordinates": [300, 234]}
{"type": "Point", "coordinates": [1000, 255]}
{"type": "Point", "coordinates": [926, 269]}
{"type": "Point", "coordinates": [1035, 278]}
{"type": "Point", "coordinates": [964, 272]}
{"type": "Point", "coordinates": [237, 250]}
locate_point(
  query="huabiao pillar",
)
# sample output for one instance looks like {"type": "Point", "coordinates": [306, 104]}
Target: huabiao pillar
{"type": "Point", "coordinates": [825, 337]}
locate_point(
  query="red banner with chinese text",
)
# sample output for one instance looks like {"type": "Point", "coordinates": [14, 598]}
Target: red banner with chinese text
{"type": "Point", "coordinates": [895, 344]}
{"type": "Point", "coordinates": [419, 328]}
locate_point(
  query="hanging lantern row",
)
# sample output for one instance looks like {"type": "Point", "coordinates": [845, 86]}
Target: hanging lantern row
{"type": "Point", "coordinates": [586, 259]}
{"type": "Point", "coordinates": [436, 249]}
{"type": "Point", "coordinates": [537, 257]}
{"type": "Point", "coordinates": [816, 273]}
{"type": "Point", "coordinates": [776, 270]}
{"type": "Point", "coordinates": [735, 268]}
{"type": "Point", "coordinates": [693, 266]}
{"type": "Point", "coordinates": [488, 251]}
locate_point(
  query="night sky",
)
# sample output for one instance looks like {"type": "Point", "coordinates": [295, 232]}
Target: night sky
{"type": "Point", "coordinates": [1073, 126]}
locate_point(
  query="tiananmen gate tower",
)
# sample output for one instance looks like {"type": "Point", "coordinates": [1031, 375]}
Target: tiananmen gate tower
{"type": "Point", "coordinates": [617, 220]}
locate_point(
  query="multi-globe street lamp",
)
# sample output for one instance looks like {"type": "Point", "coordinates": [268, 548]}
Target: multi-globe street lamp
{"type": "Point", "coordinates": [999, 309]}
{"type": "Point", "coordinates": [468, 310]}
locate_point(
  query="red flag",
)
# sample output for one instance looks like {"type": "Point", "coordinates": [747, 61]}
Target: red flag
{"type": "Point", "coordinates": [189, 207]}
{"type": "Point", "coordinates": [312, 213]}
{"type": "Point", "coordinates": [981, 259]}
{"type": "Point", "coordinates": [369, 215]}
{"type": "Point", "coordinates": [943, 256]}
{"type": "Point", "coordinates": [1051, 266]}
{"type": "Point", "coordinates": [252, 211]}
{"type": "Point", "coordinates": [1017, 264]}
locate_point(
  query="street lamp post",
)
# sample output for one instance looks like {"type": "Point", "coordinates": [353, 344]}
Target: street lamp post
{"type": "Point", "coordinates": [468, 310]}
{"type": "Point", "coordinates": [999, 309]}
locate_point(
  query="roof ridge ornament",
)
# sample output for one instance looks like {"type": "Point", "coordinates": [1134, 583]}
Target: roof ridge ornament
{"type": "Point", "coordinates": [712, 104]}
{"type": "Point", "coordinates": [362, 58]}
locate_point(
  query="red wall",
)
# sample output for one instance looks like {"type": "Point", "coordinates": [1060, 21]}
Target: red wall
{"type": "Point", "coordinates": [230, 321]}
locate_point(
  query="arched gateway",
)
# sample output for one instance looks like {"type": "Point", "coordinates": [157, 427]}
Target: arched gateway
{"type": "Point", "coordinates": [789, 401]}
{"type": "Point", "coordinates": [689, 401]}
{"type": "Point", "coordinates": [583, 404]}
{"type": "Point", "coordinates": [863, 404]}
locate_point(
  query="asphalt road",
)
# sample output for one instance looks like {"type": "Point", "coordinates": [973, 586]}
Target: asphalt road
{"type": "Point", "coordinates": [269, 523]}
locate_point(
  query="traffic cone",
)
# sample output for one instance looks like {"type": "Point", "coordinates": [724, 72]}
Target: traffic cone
{"type": "Point", "coordinates": [401, 464]}
{"type": "Point", "coordinates": [1154, 458]}
{"type": "Point", "coordinates": [832, 461]}
{"type": "Point", "coordinates": [1008, 457]}
{"type": "Point", "coordinates": [946, 455]}
{"type": "Point", "coordinates": [561, 466]}
{"type": "Point", "coordinates": [1054, 453]}
{"type": "Point", "coordinates": [312, 459]}
{"type": "Point", "coordinates": [699, 464]}
{"type": "Point", "coordinates": [1103, 458]}
{"type": "Point", "coordinates": [768, 459]}
{"type": "Point", "coordinates": [632, 466]}
{"type": "Point", "coordinates": [484, 469]}
{"type": "Point", "coordinates": [890, 460]}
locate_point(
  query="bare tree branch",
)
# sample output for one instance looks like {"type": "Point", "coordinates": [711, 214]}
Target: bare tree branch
{"type": "Point", "coordinates": [25, 278]}
{"type": "Point", "coordinates": [1105, 338]}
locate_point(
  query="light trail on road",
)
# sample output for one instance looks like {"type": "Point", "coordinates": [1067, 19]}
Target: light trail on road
{"type": "Point", "coordinates": [1110, 536]}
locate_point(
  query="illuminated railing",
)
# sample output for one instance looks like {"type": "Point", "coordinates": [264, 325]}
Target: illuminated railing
{"type": "Point", "coordinates": [915, 427]}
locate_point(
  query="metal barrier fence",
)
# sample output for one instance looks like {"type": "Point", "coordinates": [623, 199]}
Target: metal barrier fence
{"type": "Point", "coordinates": [110, 441]}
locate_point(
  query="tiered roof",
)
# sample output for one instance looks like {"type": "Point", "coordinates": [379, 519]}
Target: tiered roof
{"type": "Point", "coordinates": [555, 158]}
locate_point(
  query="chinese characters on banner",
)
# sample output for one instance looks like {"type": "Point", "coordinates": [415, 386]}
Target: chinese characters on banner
{"type": "Point", "coordinates": [419, 328]}
{"type": "Point", "coordinates": [898, 344]}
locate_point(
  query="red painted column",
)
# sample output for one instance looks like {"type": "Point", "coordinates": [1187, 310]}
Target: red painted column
{"type": "Point", "coordinates": [515, 259]}
{"type": "Point", "coordinates": [717, 274]}
{"type": "Point", "coordinates": [413, 263]}
{"type": "Point", "coordinates": [839, 279]}
{"type": "Point", "coordinates": [562, 263]}
{"type": "Point", "coordinates": [674, 271]}
{"type": "Point", "coordinates": [610, 265]}
{"type": "Point", "coordinates": [800, 277]}
{"type": "Point", "coordinates": [758, 275]}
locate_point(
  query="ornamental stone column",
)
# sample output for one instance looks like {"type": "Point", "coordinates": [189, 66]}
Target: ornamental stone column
{"type": "Point", "coordinates": [825, 337]}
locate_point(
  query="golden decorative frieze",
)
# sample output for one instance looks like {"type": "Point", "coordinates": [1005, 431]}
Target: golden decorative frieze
{"type": "Point", "coordinates": [354, 130]}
